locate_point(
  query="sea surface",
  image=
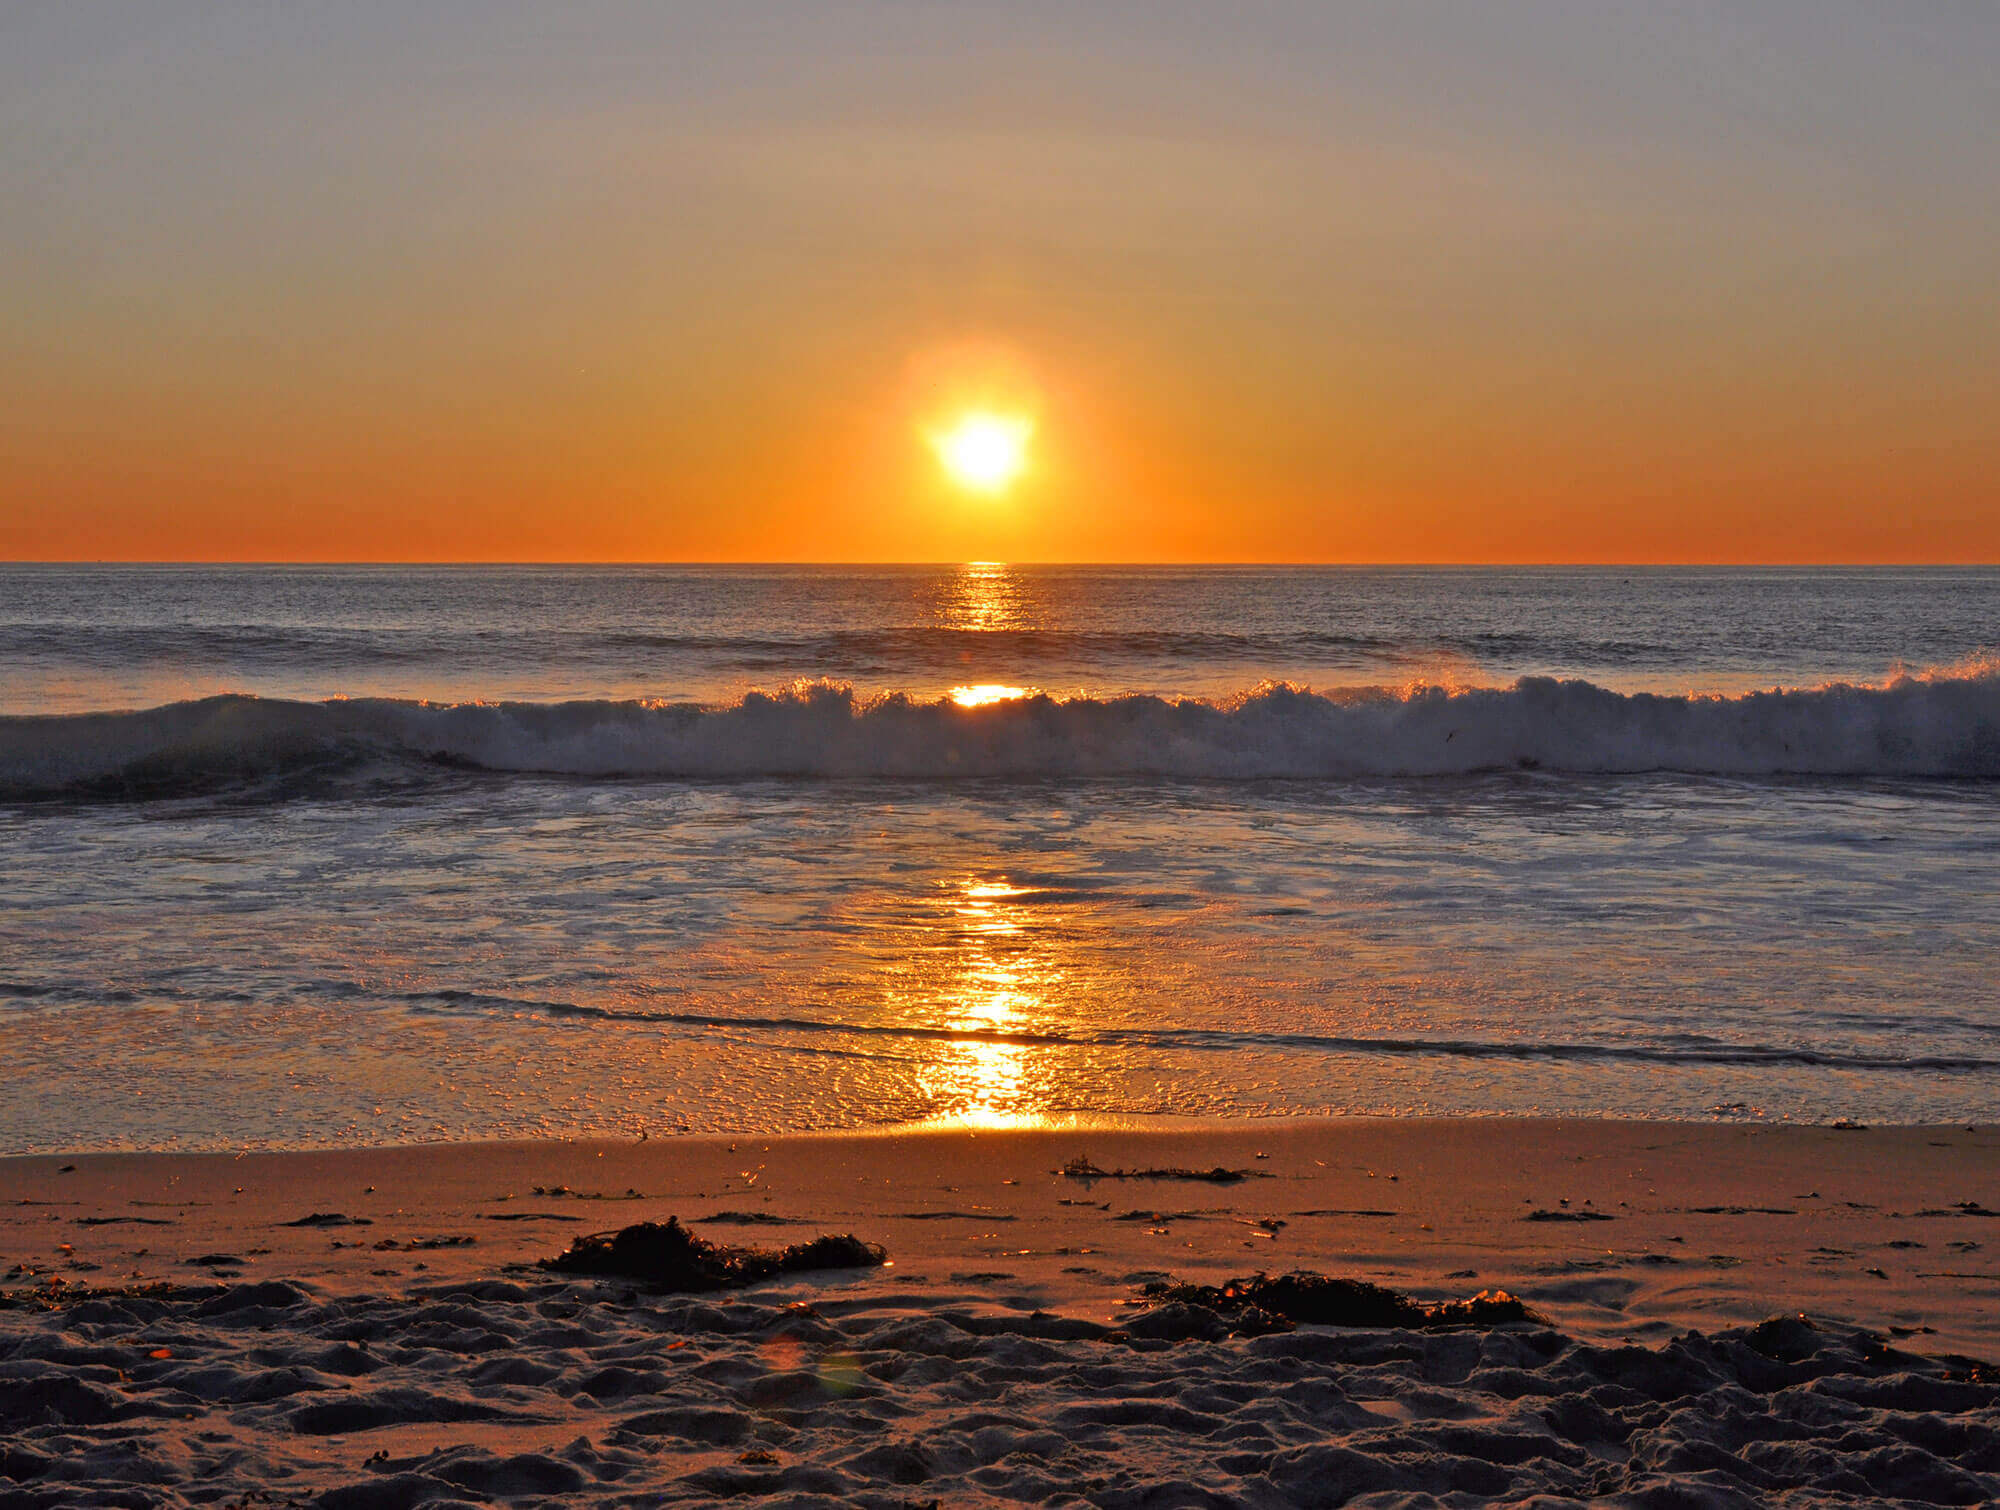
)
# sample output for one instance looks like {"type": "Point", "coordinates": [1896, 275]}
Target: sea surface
{"type": "Point", "coordinates": [319, 856]}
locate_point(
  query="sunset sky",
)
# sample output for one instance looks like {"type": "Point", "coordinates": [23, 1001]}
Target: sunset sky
{"type": "Point", "coordinates": [1256, 282]}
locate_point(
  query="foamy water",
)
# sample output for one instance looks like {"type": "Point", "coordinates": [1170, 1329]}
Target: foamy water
{"type": "Point", "coordinates": [302, 857]}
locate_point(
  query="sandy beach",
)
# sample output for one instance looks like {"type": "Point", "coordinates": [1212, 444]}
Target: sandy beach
{"type": "Point", "coordinates": [942, 755]}
{"type": "Point", "coordinates": [367, 1327]}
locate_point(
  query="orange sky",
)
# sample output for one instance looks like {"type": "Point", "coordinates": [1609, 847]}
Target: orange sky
{"type": "Point", "coordinates": [1299, 282]}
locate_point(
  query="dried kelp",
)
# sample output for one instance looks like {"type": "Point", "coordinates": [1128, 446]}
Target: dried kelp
{"type": "Point", "coordinates": [1080, 1168]}
{"type": "Point", "coordinates": [668, 1256]}
{"type": "Point", "coordinates": [1325, 1300]}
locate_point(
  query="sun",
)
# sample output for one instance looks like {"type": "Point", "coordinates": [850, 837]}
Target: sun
{"type": "Point", "coordinates": [984, 452]}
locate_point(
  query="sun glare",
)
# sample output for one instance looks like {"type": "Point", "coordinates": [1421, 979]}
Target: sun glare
{"type": "Point", "coordinates": [985, 694]}
{"type": "Point", "coordinates": [984, 452]}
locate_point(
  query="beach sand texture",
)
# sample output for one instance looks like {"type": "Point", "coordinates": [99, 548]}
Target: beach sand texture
{"type": "Point", "coordinates": [365, 1328]}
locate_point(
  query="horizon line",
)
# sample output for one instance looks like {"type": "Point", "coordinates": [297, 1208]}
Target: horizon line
{"type": "Point", "coordinates": [1126, 565]}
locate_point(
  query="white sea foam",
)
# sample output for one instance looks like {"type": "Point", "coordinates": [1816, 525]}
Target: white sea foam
{"type": "Point", "coordinates": [1942, 723]}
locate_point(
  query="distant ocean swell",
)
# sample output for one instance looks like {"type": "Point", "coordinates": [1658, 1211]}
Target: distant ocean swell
{"type": "Point", "coordinates": [229, 645]}
{"type": "Point", "coordinates": [1938, 724]}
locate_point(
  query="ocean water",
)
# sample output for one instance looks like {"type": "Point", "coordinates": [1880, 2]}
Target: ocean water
{"type": "Point", "coordinates": [301, 857]}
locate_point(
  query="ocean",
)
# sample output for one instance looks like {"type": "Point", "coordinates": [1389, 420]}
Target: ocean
{"type": "Point", "coordinates": [319, 856]}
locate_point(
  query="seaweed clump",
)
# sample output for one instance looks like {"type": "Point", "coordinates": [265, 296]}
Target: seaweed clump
{"type": "Point", "coordinates": [1324, 1300]}
{"type": "Point", "coordinates": [668, 1256]}
{"type": "Point", "coordinates": [52, 1292]}
{"type": "Point", "coordinates": [1080, 1168]}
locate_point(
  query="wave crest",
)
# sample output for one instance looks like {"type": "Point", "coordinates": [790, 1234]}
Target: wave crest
{"type": "Point", "coordinates": [1936, 724]}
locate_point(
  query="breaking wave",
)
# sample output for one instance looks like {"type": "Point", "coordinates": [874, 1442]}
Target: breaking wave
{"type": "Point", "coordinates": [1936, 724]}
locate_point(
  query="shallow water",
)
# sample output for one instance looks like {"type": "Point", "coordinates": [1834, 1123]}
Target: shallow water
{"type": "Point", "coordinates": [235, 926]}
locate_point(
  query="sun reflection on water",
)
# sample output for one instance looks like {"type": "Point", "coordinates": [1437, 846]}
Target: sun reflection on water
{"type": "Point", "coordinates": [985, 694]}
{"type": "Point", "coordinates": [982, 598]}
{"type": "Point", "coordinates": [997, 986]}
{"type": "Point", "coordinates": [981, 595]}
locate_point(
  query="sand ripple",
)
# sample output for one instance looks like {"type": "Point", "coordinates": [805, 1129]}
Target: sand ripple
{"type": "Point", "coordinates": [497, 1392]}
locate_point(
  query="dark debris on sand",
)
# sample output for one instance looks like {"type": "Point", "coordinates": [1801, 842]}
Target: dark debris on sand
{"type": "Point", "coordinates": [330, 1219]}
{"type": "Point", "coordinates": [745, 1219]}
{"type": "Point", "coordinates": [667, 1256]}
{"type": "Point", "coordinates": [1539, 1215]}
{"type": "Point", "coordinates": [1080, 1168]}
{"type": "Point", "coordinates": [267, 1394]}
{"type": "Point", "coordinates": [54, 1293]}
{"type": "Point", "coordinates": [1266, 1303]}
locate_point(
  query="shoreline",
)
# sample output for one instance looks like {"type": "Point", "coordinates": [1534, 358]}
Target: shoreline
{"type": "Point", "coordinates": [1611, 1228]}
{"type": "Point", "coordinates": [1083, 1124]}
